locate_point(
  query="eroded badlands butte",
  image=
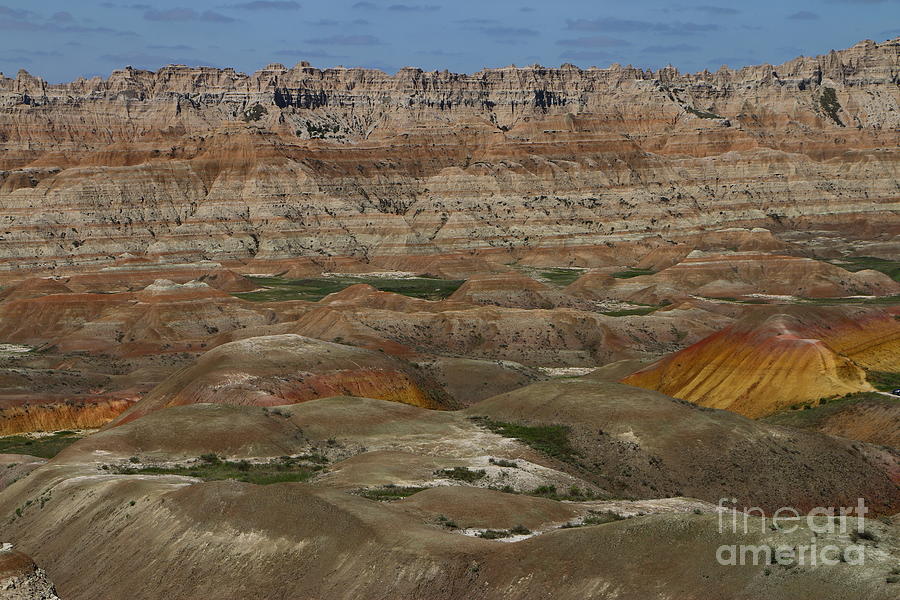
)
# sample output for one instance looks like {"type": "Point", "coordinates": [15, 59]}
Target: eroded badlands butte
{"type": "Point", "coordinates": [341, 334]}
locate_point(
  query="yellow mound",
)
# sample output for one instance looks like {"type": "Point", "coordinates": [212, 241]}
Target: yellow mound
{"type": "Point", "coordinates": [777, 357]}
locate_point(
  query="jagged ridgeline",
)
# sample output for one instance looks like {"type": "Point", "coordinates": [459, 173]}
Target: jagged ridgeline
{"type": "Point", "coordinates": [355, 164]}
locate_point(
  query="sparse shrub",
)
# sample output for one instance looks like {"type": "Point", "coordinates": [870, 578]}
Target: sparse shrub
{"type": "Point", "coordinates": [255, 113]}
{"type": "Point", "coordinates": [494, 534]}
{"type": "Point", "coordinates": [520, 530]}
{"type": "Point", "coordinates": [544, 490]}
{"type": "Point", "coordinates": [829, 103]}
{"type": "Point", "coordinates": [446, 522]}
{"type": "Point", "coordinates": [552, 440]}
{"type": "Point", "coordinates": [134, 459]}
{"type": "Point", "coordinates": [600, 518]}
{"type": "Point", "coordinates": [461, 474]}
{"type": "Point", "coordinates": [865, 534]}
{"type": "Point", "coordinates": [389, 492]}
{"type": "Point", "coordinates": [703, 114]}
{"type": "Point", "coordinates": [211, 458]}
{"type": "Point", "coordinates": [317, 131]}
{"type": "Point", "coordinates": [501, 462]}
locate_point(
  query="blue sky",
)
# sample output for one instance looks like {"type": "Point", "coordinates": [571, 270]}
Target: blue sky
{"type": "Point", "coordinates": [61, 39]}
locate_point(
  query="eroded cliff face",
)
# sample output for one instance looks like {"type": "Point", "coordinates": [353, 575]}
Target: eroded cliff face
{"type": "Point", "coordinates": [535, 164]}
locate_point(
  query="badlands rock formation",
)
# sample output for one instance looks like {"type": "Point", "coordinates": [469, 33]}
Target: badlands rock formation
{"type": "Point", "coordinates": [303, 166]}
{"type": "Point", "coordinates": [776, 357]}
{"type": "Point", "coordinates": [21, 579]}
{"type": "Point", "coordinates": [734, 275]}
{"type": "Point", "coordinates": [872, 418]}
{"type": "Point", "coordinates": [425, 544]}
{"type": "Point", "coordinates": [276, 370]}
{"type": "Point", "coordinates": [175, 254]}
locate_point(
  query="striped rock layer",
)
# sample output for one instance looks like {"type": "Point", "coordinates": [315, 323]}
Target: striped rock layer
{"type": "Point", "coordinates": [776, 357]}
{"type": "Point", "coordinates": [303, 166]}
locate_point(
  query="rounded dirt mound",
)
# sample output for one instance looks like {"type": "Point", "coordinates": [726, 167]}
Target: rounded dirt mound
{"type": "Point", "coordinates": [286, 369]}
{"type": "Point", "coordinates": [639, 443]}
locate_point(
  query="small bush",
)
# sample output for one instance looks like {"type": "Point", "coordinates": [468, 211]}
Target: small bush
{"type": "Point", "coordinates": [864, 534]}
{"type": "Point", "coordinates": [446, 522]}
{"type": "Point", "coordinates": [830, 105]}
{"type": "Point", "coordinates": [573, 494]}
{"type": "Point", "coordinates": [389, 493]}
{"type": "Point", "coordinates": [703, 114]}
{"type": "Point", "coordinates": [501, 462]}
{"type": "Point", "coordinates": [494, 534]}
{"type": "Point", "coordinates": [601, 518]}
{"type": "Point", "coordinates": [544, 490]}
{"type": "Point", "coordinates": [255, 113]}
{"type": "Point", "coordinates": [461, 474]}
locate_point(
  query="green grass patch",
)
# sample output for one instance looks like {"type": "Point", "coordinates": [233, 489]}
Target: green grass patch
{"type": "Point", "coordinates": [390, 492]}
{"type": "Point", "coordinates": [703, 114]}
{"type": "Point", "coordinates": [629, 273]}
{"type": "Point", "coordinates": [498, 534]}
{"type": "Point", "coordinates": [560, 277]}
{"type": "Point", "coordinates": [644, 310]}
{"type": "Point", "coordinates": [595, 517]}
{"type": "Point", "coordinates": [278, 289]}
{"type": "Point", "coordinates": [884, 380]}
{"type": "Point", "coordinates": [572, 494]}
{"type": "Point", "coordinates": [809, 415]}
{"type": "Point", "coordinates": [552, 440]}
{"type": "Point", "coordinates": [46, 446]}
{"type": "Point", "coordinates": [210, 468]}
{"type": "Point", "coordinates": [890, 268]}
{"type": "Point", "coordinates": [461, 474]}
{"type": "Point", "coordinates": [738, 300]}
{"type": "Point", "coordinates": [447, 522]}
{"type": "Point", "coordinates": [879, 300]}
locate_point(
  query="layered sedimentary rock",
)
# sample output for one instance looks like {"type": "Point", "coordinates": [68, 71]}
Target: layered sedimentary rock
{"type": "Point", "coordinates": [60, 414]}
{"type": "Point", "coordinates": [513, 290]}
{"type": "Point", "coordinates": [776, 357]}
{"type": "Point", "coordinates": [163, 317]}
{"type": "Point", "coordinates": [638, 444]}
{"type": "Point", "coordinates": [21, 579]}
{"type": "Point", "coordinates": [630, 439]}
{"type": "Point", "coordinates": [286, 369]}
{"type": "Point", "coordinates": [736, 274]}
{"type": "Point", "coordinates": [535, 164]}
